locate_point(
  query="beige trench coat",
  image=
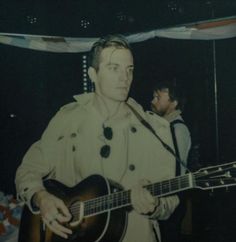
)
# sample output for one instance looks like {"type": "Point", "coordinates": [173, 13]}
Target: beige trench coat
{"type": "Point", "coordinates": [65, 152]}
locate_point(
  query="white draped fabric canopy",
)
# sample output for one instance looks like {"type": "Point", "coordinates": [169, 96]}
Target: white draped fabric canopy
{"type": "Point", "coordinates": [221, 28]}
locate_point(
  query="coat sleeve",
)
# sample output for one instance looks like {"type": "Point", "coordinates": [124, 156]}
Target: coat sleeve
{"type": "Point", "coordinates": [166, 207]}
{"type": "Point", "coordinates": [29, 174]}
{"type": "Point", "coordinates": [36, 163]}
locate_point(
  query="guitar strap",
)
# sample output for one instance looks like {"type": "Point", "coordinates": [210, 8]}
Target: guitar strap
{"type": "Point", "coordinates": [149, 127]}
{"type": "Point", "coordinates": [172, 129]}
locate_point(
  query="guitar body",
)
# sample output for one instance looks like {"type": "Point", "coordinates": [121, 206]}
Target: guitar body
{"type": "Point", "coordinates": [105, 227]}
{"type": "Point", "coordinates": [105, 216]}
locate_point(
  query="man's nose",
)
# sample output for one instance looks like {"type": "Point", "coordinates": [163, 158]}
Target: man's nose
{"type": "Point", "coordinates": [124, 75]}
{"type": "Point", "coordinates": [154, 100]}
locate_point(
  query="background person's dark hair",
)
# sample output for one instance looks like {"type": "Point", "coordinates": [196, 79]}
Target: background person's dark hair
{"type": "Point", "coordinates": [176, 92]}
{"type": "Point", "coordinates": [117, 41]}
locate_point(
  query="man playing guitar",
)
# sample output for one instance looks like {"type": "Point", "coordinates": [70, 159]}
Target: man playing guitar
{"type": "Point", "coordinates": [99, 134]}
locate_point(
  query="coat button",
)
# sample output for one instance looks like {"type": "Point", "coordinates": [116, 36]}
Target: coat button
{"type": "Point", "coordinates": [133, 129]}
{"type": "Point", "coordinates": [73, 135]}
{"type": "Point", "coordinates": [131, 167]}
{"type": "Point", "coordinates": [60, 137]}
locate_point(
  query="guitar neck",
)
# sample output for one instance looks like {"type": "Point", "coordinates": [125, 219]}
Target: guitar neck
{"type": "Point", "coordinates": [171, 186]}
{"type": "Point", "coordinates": [123, 198]}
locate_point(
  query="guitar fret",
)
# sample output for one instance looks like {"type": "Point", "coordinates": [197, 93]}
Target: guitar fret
{"type": "Point", "coordinates": [169, 186]}
{"type": "Point", "coordinates": [174, 184]}
{"type": "Point", "coordinates": [122, 198]}
{"type": "Point", "coordinates": [165, 186]}
{"type": "Point", "coordinates": [184, 182]}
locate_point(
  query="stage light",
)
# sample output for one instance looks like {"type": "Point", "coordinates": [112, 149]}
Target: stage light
{"type": "Point", "coordinates": [172, 5]}
{"type": "Point", "coordinates": [12, 115]}
{"type": "Point", "coordinates": [31, 19]}
{"type": "Point", "coordinates": [85, 75]}
{"type": "Point", "coordinates": [121, 16]}
{"type": "Point", "coordinates": [84, 23]}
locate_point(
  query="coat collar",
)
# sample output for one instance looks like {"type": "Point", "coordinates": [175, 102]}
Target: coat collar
{"type": "Point", "coordinates": [173, 115]}
{"type": "Point", "coordinates": [86, 102]}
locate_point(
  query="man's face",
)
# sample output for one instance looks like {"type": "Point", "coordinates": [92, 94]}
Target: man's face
{"type": "Point", "coordinates": [115, 73]}
{"type": "Point", "coordinates": [161, 103]}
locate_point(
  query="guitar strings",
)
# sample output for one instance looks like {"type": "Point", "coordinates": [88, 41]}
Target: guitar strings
{"type": "Point", "coordinates": [122, 198]}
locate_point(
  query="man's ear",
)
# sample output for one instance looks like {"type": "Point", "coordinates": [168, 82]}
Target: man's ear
{"type": "Point", "coordinates": [175, 103]}
{"type": "Point", "coordinates": [92, 74]}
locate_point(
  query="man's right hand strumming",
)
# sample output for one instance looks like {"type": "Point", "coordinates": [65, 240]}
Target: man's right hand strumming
{"type": "Point", "coordinates": [53, 211]}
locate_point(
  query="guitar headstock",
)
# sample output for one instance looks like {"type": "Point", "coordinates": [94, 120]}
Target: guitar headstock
{"type": "Point", "coordinates": [216, 176]}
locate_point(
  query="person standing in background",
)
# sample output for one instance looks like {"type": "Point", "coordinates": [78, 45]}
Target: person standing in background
{"type": "Point", "coordinates": [168, 102]}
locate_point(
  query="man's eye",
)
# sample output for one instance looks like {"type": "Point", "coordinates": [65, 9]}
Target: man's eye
{"type": "Point", "coordinates": [131, 70]}
{"type": "Point", "coordinates": [113, 68]}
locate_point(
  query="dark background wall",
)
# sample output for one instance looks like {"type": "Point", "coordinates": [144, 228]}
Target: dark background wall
{"type": "Point", "coordinates": [34, 85]}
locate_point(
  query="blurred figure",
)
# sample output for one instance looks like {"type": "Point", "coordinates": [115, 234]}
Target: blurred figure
{"type": "Point", "coordinates": [168, 102]}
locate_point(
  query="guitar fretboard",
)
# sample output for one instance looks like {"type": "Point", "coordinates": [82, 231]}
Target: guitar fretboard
{"type": "Point", "coordinates": [122, 199]}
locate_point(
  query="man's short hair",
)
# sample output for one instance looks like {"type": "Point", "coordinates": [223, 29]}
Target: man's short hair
{"type": "Point", "coordinates": [117, 41]}
{"type": "Point", "coordinates": [176, 92]}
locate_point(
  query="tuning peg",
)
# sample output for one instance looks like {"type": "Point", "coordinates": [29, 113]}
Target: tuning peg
{"type": "Point", "coordinates": [211, 193]}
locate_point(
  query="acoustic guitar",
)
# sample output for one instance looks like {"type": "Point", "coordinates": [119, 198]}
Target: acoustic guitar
{"type": "Point", "coordinates": [106, 205]}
